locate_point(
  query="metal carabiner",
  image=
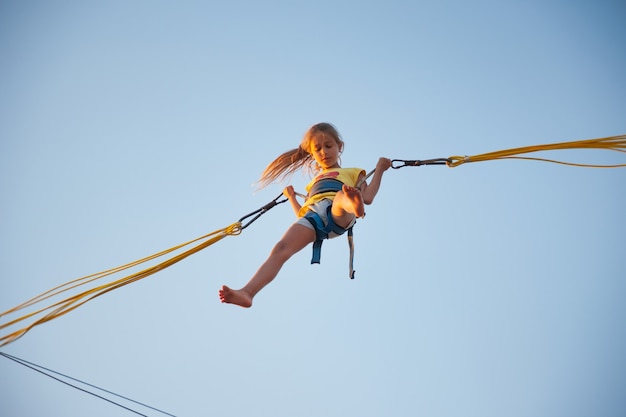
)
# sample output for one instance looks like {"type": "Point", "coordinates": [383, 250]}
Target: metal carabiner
{"type": "Point", "coordinates": [261, 211]}
{"type": "Point", "coordinates": [404, 163]}
{"type": "Point", "coordinates": [416, 163]}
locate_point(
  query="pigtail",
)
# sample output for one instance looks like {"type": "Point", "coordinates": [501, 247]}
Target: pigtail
{"type": "Point", "coordinates": [299, 158]}
{"type": "Point", "coordinates": [285, 165]}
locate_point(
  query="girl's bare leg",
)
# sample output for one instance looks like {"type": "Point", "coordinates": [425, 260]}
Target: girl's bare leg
{"type": "Point", "coordinates": [294, 239]}
{"type": "Point", "coordinates": [347, 204]}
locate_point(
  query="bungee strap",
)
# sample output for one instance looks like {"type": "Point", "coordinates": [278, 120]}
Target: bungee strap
{"type": "Point", "coordinates": [395, 163]}
{"type": "Point", "coordinates": [258, 213]}
{"type": "Point", "coordinates": [323, 231]}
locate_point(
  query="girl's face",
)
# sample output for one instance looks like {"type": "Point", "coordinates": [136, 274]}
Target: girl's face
{"type": "Point", "coordinates": [325, 151]}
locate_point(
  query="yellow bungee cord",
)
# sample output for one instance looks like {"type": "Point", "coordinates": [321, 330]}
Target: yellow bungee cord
{"type": "Point", "coordinates": [60, 308]}
{"type": "Point", "coordinates": [611, 143]}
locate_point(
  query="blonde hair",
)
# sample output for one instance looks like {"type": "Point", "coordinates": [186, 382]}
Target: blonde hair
{"type": "Point", "coordinates": [299, 158]}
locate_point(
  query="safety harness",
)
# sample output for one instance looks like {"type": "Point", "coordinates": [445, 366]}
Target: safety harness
{"type": "Point", "coordinates": [322, 231]}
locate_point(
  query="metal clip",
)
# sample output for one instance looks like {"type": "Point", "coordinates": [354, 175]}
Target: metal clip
{"type": "Point", "coordinates": [261, 211]}
{"type": "Point", "coordinates": [416, 163]}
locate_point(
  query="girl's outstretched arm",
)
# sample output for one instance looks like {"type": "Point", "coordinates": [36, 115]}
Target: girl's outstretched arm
{"type": "Point", "coordinates": [291, 195]}
{"type": "Point", "coordinates": [369, 191]}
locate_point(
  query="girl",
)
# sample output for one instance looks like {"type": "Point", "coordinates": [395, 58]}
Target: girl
{"type": "Point", "coordinates": [334, 201]}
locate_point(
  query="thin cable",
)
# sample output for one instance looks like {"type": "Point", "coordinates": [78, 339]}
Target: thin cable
{"type": "Point", "coordinates": [47, 372]}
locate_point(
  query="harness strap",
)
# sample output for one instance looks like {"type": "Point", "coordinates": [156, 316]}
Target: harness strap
{"type": "Point", "coordinates": [351, 246]}
{"type": "Point", "coordinates": [322, 231]}
{"type": "Point", "coordinates": [325, 185]}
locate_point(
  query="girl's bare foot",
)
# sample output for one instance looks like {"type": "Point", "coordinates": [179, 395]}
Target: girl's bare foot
{"type": "Point", "coordinates": [355, 198]}
{"type": "Point", "coordinates": [237, 297]}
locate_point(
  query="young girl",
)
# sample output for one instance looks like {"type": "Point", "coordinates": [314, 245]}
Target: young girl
{"type": "Point", "coordinates": [334, 201]}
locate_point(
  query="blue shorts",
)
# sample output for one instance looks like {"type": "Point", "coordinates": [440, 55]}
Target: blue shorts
{"type": "Point", "coordinates": [321, 208]}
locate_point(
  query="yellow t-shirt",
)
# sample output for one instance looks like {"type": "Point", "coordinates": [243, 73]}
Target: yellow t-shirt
{"type": "Point", "coordinates": [348, 176]}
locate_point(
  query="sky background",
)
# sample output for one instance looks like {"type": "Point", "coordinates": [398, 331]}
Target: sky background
{"type": "Point", "coordinates": [491, 289]}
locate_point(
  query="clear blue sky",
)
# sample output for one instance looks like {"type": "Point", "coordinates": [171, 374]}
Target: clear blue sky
{"type": "Point", "coordinates": [491, 289]}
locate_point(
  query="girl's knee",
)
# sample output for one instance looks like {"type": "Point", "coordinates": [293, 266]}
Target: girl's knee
{"type": "Point", "coordinates": [296, 238]}
{"type": "Point", "coordinates": [282, 250]}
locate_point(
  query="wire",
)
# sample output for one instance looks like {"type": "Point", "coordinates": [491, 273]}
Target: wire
{"type": "Point", "coordinates": [48, 372]}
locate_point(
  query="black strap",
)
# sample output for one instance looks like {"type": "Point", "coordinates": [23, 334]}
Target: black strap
{"type": "Point", "coordinates": [262, 211]}
{"type": "Point", "coordinates": [417, 162]}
